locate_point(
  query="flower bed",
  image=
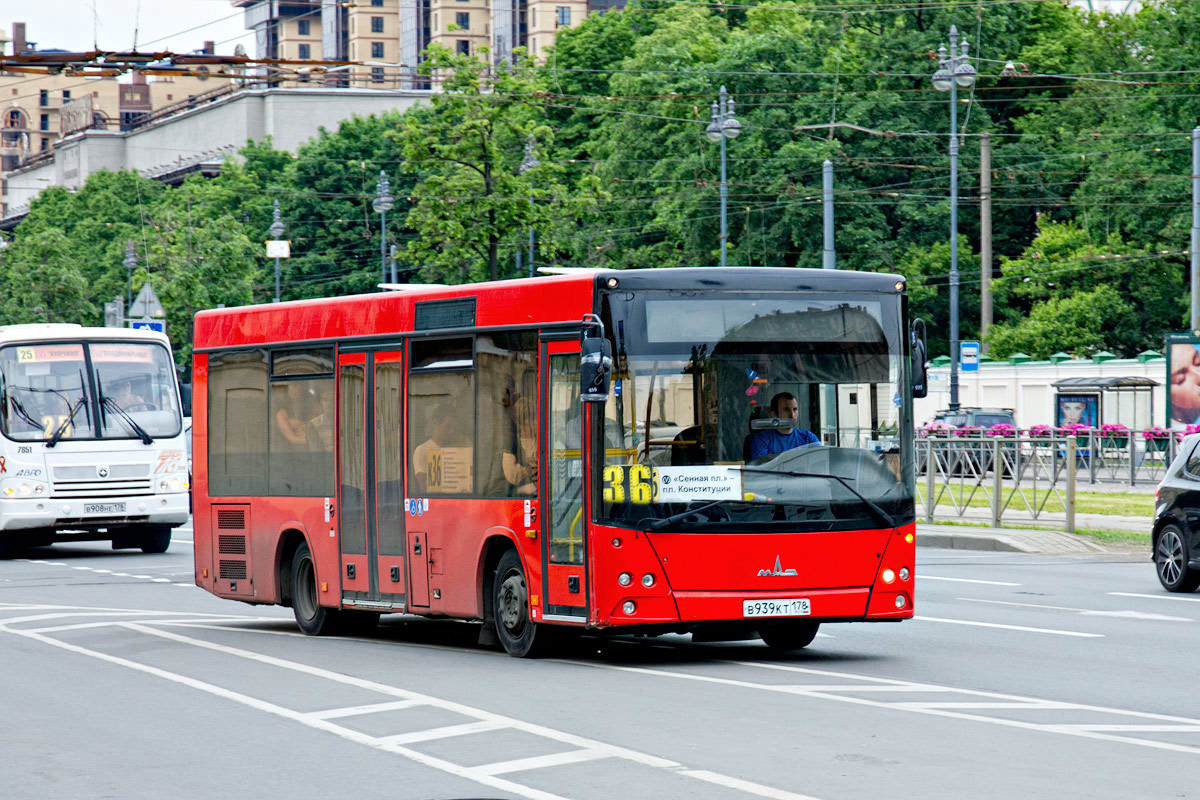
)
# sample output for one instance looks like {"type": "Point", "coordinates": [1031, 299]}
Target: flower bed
{"type": "Point", "coordinates": [1114, 436]}
{"type": "Point", "coordinates": [1156, 438]}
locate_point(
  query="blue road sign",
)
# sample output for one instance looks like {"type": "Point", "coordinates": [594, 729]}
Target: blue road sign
{"type": "Point", "coordinates": [969, 356]}
{"type": "Point", "coordinates": [149, 325]}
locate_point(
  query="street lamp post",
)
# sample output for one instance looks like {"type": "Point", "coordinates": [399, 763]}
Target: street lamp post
{"type": "Point", "coordinates": [529, 162]}
{"type": "Point", "coordinates": [276, 231]}
{"type": "Point", "coordinates": [722, 127]}
{"type": "Point", "coordinates": [130, 266]}
{"type": "Point", "coordinates": [383, 203]}
{"type": "Point", "coordinates": [953, 71]}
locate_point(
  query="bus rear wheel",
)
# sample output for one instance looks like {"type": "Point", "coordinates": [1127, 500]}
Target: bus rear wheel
{"type": "Point", "coordinates": [519, 635]}
{"type": "Point", "coordinates": [789, 636]}
{"type": "Point", "coordinates": [312, 617]}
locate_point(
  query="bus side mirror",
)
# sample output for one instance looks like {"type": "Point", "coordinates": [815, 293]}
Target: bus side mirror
{"type": "Point", "coordinates": [595, 368]}
{"type": "Point", "coordinates": [920, 372]}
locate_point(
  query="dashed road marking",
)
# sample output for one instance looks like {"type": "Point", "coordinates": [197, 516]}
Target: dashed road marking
{"type": "Point", "coordinates": [965, 580]}
{"type": "Point", "coordinates": [1024, 628]}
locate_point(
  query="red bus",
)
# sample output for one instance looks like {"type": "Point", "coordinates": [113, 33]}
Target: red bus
{"type": "Point", "coordinates": [735, 459]}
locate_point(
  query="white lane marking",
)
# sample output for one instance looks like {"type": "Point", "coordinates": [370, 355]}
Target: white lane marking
{"type": "Point", "coordinates": [354, 711]}
{"type": "Point", "coordinates": [744, 786]}
{"type": "Point", "coordinates": [161, 580]}
{"type": "Point", "coordinates": [1087, 612]}
{"type": "Point", "coordinates": [303, 719]}
{"type": "Point", "coordinates": [974, 704]}
{"type": "Point", "coordinates": [183, 541]}
{"type": "Point", "coordinates": [73, 614]}
{"type": "Point", "coordinates": [601, 748]}
{"type": "Point", "coordinates": [448, 732]}
{"type": "Point", "coordinates": [541, 762]}
{"type": "Point", "coordinates": [849, 687]}
{"type": "Point", "coordinates": [1012, 627]}
{"type": "Point", "coordinates": [102, 571]}
{"type": "Point", "coordinates": [1136, 728]}
{"type": "Point", "coordinates": [1029, 702]}
{"type": "Point", "coordinates": [458, 708]}
{"type": "Point", "coordinates": [1157, 597]}
{"type": "Point", "coordinates": [965, 580]}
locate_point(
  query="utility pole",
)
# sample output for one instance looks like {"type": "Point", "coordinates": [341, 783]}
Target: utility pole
{"type": "Point", "coordinates": [1195, 317]}
{"type": "Point", "coordinates": [985, 239]}
{"type": "Point", "coordinates": [829, 256]}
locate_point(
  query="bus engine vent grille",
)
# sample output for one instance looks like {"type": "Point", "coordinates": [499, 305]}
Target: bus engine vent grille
{"type": "Point", "coordinates": [233, 570]}
{"type": "Point", "coordinates": [231, 519]}
{"type": "Point", "coordinates": [231, 545]}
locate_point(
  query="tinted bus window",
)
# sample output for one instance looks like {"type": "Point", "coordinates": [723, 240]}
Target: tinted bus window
{"type": "Point", "coordinates": [237, 430]}
{"type": "Point", "coordinates": [301, 452]}
{"type": "Point", "coordinates": [441, 418]}
{"type": "Point", "coordinates": [506, 414]}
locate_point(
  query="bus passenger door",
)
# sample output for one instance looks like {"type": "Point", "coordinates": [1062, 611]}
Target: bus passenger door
{"type": "Point", "coordinates": [563, 523]}
{"type": "Point", "coordinates": [388, 517]}
{"type": "Point", "coordinates": [352, 477]}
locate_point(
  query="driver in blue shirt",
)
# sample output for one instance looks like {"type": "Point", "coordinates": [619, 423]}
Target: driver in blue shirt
{"type": "Point", "coordinates": [765, 443]}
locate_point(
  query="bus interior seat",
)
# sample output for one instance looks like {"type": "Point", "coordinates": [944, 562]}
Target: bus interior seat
{"type": "Point", "coordinates": [687, 448]}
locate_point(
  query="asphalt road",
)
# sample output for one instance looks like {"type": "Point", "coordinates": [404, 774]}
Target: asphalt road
{"type": "Point", "coordinates": [1023, 676]}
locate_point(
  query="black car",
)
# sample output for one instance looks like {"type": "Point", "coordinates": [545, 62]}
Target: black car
{"type": "Point", "coordinates": [1175, 541]}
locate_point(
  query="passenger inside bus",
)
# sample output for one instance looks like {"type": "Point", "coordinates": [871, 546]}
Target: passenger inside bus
{"type": "Point", "coordinates": [778, 440]}
{"type": "Point", "coordinates": [299, 420]}
{"type": "Point", "coordinates": [520, 462]}
{"type": "Point", "coordinates": [448, 450]}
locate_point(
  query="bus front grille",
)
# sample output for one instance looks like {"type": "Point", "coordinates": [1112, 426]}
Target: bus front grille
{"type": "Point", "coordinates": [95, 488]}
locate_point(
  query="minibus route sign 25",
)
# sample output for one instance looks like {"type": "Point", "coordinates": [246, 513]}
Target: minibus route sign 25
{"type": "Point", "coordinates": [641, 484]}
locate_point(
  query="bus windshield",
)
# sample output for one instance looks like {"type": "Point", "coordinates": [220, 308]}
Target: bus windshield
{"type": "Point", "coordinates": [774, 410]}
{"type": "Point", "coordinates": [47, 386]}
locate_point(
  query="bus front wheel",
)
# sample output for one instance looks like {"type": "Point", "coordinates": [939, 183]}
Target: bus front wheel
{"type": "Point", "coordinates": [156, 539]}
{"type": "Point", "coordinates": [788, 636]}
{"type": "Point", "coordinates": [312, 617]}
{"type": "Point", "coordinates": [519, 635]}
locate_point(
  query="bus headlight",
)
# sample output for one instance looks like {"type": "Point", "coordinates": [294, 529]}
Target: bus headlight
{"type": "Point", "coordinates": [888, 576]}
{"type": "Point", "coordinates": [172, 483]}
{"type": "Point", "coordinates": [629, 607]}
{"type": "Point", "coordinates": [648, 580]}
{"type": "Point", "coordinates": [23, 488]}
{"type": "Point", "coordinates": [624, 579]}
{"type": "Point", "coordinates": [904, 573]}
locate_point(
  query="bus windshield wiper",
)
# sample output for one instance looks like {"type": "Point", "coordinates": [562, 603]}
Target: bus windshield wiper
{"type": "Point", "coordinates": [115, 407]}
{"type": "Point", "coordinates": [883, 515]}
{"type": "Point", "coordinates": [659, 524]}
{"type": "Point", "coordinates": [61, 430]}
{"type": "Point", "coordinates": [19, 407]}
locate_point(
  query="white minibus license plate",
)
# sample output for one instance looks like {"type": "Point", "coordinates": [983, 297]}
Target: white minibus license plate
{"type": "Point", "coordinates": [794, 607]}
{"type": "Point", "coordinates": [104, 508]}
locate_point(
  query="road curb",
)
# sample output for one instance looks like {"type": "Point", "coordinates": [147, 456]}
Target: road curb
{"type": "Point", "coordinates": [1006, 540]}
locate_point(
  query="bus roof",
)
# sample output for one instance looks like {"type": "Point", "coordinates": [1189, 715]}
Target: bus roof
{"type": "Point", "coordinates": [56, 331]}
{"type": "Point", "coordinates": [560, 298]}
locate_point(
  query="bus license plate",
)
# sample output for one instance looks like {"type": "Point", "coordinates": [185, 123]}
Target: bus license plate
{"type": "Point", "coordinates": [104, 508]}
{"type": "Point", "coordinates": [795, 607]}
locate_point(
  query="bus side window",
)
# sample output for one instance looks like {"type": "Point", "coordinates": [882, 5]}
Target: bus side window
{"type": "Point", "coordinates": [441, 418]}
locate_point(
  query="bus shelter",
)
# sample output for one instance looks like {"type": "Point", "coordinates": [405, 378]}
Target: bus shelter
{"type": "Point", "coordinates": [1096, 401]}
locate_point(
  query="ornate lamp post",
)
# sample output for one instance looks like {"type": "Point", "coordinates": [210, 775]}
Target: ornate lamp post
{"type": "Point", "coordinates": [953, 72]}
{"type": "Point", "coordinates": [722, 127]}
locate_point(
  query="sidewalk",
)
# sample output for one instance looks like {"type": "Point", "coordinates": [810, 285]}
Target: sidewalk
{"type": "Point", "coordinates": [1049, 519]}
{"type": "Point", "coordinates": [1015, 540]}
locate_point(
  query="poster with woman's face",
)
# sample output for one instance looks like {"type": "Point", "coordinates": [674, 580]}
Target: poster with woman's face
{"type": "Point", "coordinates": [1183, 401]}
{"type": "Point", "coordinates": [1077, 409]}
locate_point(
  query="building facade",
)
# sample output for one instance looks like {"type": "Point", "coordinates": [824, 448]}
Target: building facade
{"type": "Point", "coordinates": [388, 37]}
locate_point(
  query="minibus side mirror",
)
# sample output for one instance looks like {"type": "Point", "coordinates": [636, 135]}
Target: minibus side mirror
{"type": "Point", "coordinates": [920, 371]}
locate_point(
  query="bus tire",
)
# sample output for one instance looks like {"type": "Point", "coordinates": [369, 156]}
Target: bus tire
{"type": "Point", "coordinates": [520, 636]}
{"type": "Point", "coordinates": [156, 539]}
{"type": "Point", "coordinates": [789, 636]}
{"type": "Point", "coordinates": [312, 617]}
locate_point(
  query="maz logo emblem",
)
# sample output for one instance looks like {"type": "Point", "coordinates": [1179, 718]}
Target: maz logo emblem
{"type": "Point", "coordinates": [102, 472]}
{"type": "Point", "coordinates": [779, 571]}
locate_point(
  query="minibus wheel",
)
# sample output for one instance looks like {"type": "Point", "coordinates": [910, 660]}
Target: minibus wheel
{"type": "Point", "coordinates": [519, 635]}
{"type": "Point", "coordinates": [156, 539]}
{"type": "Point", "coordinates": [790, 635]}
{"type": "Point", "coordinates": [312, 617]}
